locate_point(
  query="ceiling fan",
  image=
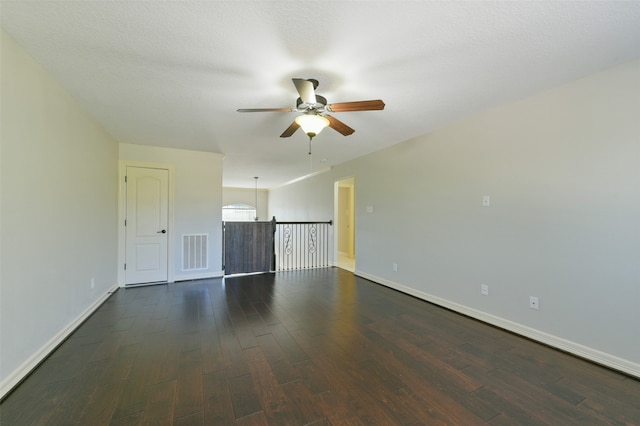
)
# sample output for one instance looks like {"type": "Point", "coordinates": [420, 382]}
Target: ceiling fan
{"type": "Point", "coordinates": [315, 108]}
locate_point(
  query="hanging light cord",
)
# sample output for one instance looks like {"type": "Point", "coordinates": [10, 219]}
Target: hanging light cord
{"type": "Point", "coordinates": [256, 196]}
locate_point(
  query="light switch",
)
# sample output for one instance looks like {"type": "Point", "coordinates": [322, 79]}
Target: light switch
{"type": "Point", "coordinates": [486, 201]}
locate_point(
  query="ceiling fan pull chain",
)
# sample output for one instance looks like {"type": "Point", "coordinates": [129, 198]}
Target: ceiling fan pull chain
{"type": "Point", "coordinates": [310, 144]}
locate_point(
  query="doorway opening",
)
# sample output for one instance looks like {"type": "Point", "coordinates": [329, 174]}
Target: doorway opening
{"type": "Point", "coordinates": [345, 218]}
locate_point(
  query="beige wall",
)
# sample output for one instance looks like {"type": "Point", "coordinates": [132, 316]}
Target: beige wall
{"type": "Point", "coordinates": [562, 170]}
{"type": "Point", "coordinates": [59, 212]}
{"type": "Point", "coordinates": [248, 196]}
{"type": "Point", "coordinates": [197, 202]}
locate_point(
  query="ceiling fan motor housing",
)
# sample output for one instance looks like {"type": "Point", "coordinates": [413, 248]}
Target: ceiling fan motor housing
{"type": "Point", "coordinates": [318, 106]}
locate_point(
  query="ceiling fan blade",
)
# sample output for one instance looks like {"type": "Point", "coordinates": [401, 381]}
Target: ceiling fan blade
{"type": "Point", "coordinates": [306, 90]}
{"type": "Point", "coordinates": [290, 130]}
{"type": "Point", "coordinates": [265, 110]}
{"type": "Point", "coordinates": [376, 104]}
{"type": "Point", "coordinates": [339, 126]}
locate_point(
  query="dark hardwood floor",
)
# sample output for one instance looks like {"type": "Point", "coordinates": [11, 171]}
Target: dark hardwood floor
{"type": "Point", "coordinates": [317, 347]}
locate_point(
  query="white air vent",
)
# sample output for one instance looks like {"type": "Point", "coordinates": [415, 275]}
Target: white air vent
{"type": "Point", "coordinates": [194, 252]}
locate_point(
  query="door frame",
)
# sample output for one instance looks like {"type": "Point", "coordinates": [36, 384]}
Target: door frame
{"type": "Point", "coordinates": [122, 206]}
{"type": "Point", "coordinates": [349, 181]}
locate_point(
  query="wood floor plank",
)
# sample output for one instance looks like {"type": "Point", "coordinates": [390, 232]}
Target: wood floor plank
{"type": "Point", "coordinates": [234, 359]}
{"type": "Point", "coordinates": [257, 419]}
{"type": "Point", "coordinates": [99, 410]}
{"type": "Point", "coordinates": [313, 377]}
{"type": "Point", "coordinates": [167, 367]}
{"type": "Point", "coordinates": [300, 397]}
{"type": "Point", "coordinates": [381, 375]}
{"type": "Point", "coordinates": [425, 363]}
{"type": "Point", "coordinates": [76, 397]}
{"type": "Point", "coordinates": [108, 348]}
{"type": "Point", "coordinates": [278, 362]}
{"type": "Point", "coordinates": [244, 397]}
{"type": "Point", "coordinates": [196, 419]}
{"type": "Point", "coordinates": [70, 366]}
{"type": "Point", "coordinates": [20, 410]}
{"type": "Point", "coordinates": [355, 393]}
{"type": "Point", "coordinates": [265, 313]}
{"type": "Point", "coordinates": [244, 334]}
{"type": "Point", "coordinates": [119, 365]}
{"type": "Point", "coordinates": [217, 404]}
{"type": "Point", "coordinates": [534, 400]}
{"type": "Point", "coordinates": [276, 406]}
{"type": "Point", "coordinates": [130, 420]}
{"type": "Point", "coordinates": [189, 397]}
{"type": "Point", "coordinates": [503, 410]}
{"type": "Point", "coordinates": [618, 404]}
{"type": "Point", "coordinates": [160, 404]}
{"type": "Point", "coordinates": [136, 387]}
{"type": "Point", "coordinates": [316, 347]}
{"type": "Point", "coordinates": [212, 356]}
{"type": "Point", "coordinates": [258, 326]}
{"type": "Point", "coordinates": [342, 406]}
{"type": "Point", "coordinates": [290, 347]}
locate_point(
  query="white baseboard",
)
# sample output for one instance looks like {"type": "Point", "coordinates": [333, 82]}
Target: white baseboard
{"type": "Point", "coordinates": [200, 276]}
{"type": "Point", "coordinates": [591, 354]}
{"type": "Point", "coordinates": [34, 360]}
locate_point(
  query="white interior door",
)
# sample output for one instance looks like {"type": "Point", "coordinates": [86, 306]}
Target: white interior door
{"type": "Point", "coordinates": [146, 248]}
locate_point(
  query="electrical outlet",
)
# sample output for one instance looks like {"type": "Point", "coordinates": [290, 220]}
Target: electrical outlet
{"type": "Point", "coordinates": [484, 289]}
{"type": "Point", "coordinates": [533, 303]}
{"type": "Point", "coordinates": [395, 267]}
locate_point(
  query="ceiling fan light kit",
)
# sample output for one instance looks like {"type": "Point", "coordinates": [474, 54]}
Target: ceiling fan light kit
{"type": "Point", "coordinates": [312, 124]}
{"type": "Point", "coordinates": [314, 108]}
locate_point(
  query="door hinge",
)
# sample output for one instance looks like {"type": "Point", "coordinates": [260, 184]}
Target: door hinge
{"type": "Point", "coordinates": [125, 179]}
{"type": "Point", "coordinates": [125, 222]}
{"type": "Point", "coordinates": [125, 266]}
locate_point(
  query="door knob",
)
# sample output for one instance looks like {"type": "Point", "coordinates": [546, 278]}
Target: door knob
{"type": "Point", "coordinates": [164, 231]}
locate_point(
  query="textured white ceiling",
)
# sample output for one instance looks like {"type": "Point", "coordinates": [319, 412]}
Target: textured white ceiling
{"type": "Point", "coordinates": [173, 73]}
